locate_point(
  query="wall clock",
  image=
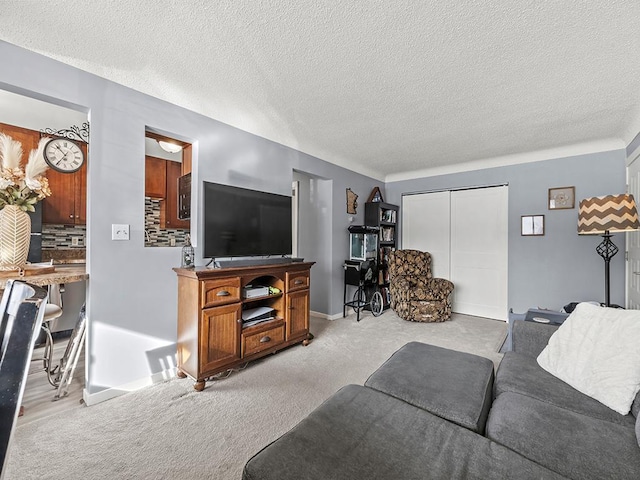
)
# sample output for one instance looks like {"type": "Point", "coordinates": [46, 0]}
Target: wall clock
{"type": "Point", "coordinates": [63, 155]}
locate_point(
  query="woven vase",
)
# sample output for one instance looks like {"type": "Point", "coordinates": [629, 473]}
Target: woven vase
{"type": "Point", "coordinates": [15, 236]}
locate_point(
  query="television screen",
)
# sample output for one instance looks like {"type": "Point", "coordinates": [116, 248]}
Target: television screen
{"type": "Point", "coordinates": [243, 222]}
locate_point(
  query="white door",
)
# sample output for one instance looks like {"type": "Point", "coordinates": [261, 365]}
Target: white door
{"type": "Point", "coordinates": [633, 241]}
{"type": "Point", "coordinates": [426, 227]}
{"type": "Point", "coordinates": [479, 245]}
{"type": "Point", "coordinates": [466, 233]}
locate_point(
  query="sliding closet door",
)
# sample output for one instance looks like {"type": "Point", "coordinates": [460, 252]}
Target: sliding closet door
{"type": "Point", "coordinates": [425, 226]}
{"type": "Point", "coordinates": [466, 233]}
{"type": "Point", "coordinates": [479, 244]}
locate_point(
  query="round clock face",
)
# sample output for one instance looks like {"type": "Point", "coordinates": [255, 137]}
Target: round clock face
{"type": "Point", "coordinates": [63, 155]}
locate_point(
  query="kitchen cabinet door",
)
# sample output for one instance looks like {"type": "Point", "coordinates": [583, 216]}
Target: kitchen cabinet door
{"type": "Point", "coordinates": [174, 170]}
{"type": "Point", "coordinates": [155, 177]}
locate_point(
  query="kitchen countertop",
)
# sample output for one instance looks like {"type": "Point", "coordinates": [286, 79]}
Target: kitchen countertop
{"type": "Point", "coordinates": [62, 274]}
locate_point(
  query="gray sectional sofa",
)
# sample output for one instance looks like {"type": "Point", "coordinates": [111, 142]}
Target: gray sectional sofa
{"type": "Point", "coordinates": [434, 413]}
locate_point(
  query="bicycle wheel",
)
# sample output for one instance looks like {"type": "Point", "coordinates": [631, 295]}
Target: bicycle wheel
{"type": "Point", "coordinates": [376, 304]}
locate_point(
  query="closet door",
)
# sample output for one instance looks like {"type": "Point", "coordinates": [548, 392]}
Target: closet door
{"type": "Point", "coordinates": [426, 227]}
{"type": "Point", "coordinates": [466, 233]}
{"type": "Point", "coordinates": [479, 245]}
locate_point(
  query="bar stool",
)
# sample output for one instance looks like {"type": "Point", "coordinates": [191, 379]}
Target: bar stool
{"type": "Point", "coordinates": [51, 312]}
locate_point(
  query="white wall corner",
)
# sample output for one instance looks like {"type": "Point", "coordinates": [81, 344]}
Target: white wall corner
{"type": "Point", "coordinates": [91, 399]}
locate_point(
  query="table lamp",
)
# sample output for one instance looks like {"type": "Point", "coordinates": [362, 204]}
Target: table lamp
{"type": "Point", "coordinates": [603, 215]}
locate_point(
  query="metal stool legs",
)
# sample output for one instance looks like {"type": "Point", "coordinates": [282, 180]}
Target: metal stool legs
{"type": "Point", "coordinates": [69, 360]}
{"type": "Point", "coordinates": [61, 375]}
{"type": "Point", "coordinates": [47, 357]}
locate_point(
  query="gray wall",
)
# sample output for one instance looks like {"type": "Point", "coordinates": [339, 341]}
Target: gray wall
{"type": "Point", "coordinates": [314, 220]}
{"type": "Point", "coordinates": [131, 294]}
{"type": "Point", "coordinates": [561, 266]}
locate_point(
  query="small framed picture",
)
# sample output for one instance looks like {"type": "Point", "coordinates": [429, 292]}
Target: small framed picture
{"type": "Point", "coordinates": [562, 198]}
{"type": "Point", "coordinates": [532, 225]}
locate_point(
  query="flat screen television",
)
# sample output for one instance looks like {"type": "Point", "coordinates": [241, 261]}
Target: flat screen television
{"type": "Point", "coordinates": [239, 222]}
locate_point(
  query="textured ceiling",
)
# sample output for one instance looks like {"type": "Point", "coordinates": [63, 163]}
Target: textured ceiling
{"type": "Point", "coordinates": [381, 87]}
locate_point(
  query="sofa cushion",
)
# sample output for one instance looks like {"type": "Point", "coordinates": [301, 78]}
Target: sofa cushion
{"type": "Point", "coordinates": [362, 434]}
{"type": "Point", "coordinates": [454, 385]}
{"type": "Point", "coordinates": [596, 351]}
{"type": "Point", "coordinates": [521, 374]}
{"type": "Point", "coordinates": [530, 338]}
{"type": "Point", "coordinates": [635, 406]}
{"type": "Point", "coordinates": [572, 444]}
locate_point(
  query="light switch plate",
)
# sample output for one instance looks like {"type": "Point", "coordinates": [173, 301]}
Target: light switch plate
{"type": "Point", "coordinates": [119, 231]}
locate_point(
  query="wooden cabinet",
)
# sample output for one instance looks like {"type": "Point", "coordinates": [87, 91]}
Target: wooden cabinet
{"type": "Point", "coordinates": [28, 138]}
{"type": "Point", "coordinates": [298, 308]}
{"type": "Point", "coordinates": [212, 336]}
{"type": "Point", "coordinates": [161, 182]}
{"type": "Point", "coordinates": [67, 204]}
{"type": "Point", "coordinates": [174, 171]}
{"type": "Point", "coordinates": [220, 327]}
{"type": "Point", "coordinates": [155, 177]}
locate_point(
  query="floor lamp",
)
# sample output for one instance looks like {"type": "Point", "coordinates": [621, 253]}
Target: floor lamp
{"type": "Point", "coordinates": [603, 215]}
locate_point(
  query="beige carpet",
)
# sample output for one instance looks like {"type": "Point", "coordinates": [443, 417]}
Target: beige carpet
{"type": "Point", "coordinates": [170, 431]}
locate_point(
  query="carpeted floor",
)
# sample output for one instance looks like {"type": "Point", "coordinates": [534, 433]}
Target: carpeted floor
{"type": "Point", "coordinates": [170, 431]}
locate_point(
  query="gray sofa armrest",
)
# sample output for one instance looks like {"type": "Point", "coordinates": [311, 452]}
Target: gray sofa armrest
{"type": "Point", "coordinates": [530, 338]}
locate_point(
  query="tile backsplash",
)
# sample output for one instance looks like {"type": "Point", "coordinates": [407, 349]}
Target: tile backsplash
{"type": "Point", "coordinates": [64, 236]}
{"type": "Point", "coordinates": [74, 236]}
{"type": "Point", "coordinates": [155, 236]}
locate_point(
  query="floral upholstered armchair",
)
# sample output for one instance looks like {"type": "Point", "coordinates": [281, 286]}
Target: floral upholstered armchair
{"type": "Point", "coordinates": [415, 295]}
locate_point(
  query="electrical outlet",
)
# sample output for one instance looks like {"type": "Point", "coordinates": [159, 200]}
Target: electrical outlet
{"type": "Point", "coordinates": [75, 241]}
{"type": "Point", "coordinates": [119, 231]}
{"type": "Point", "coordinates": [172, 241]}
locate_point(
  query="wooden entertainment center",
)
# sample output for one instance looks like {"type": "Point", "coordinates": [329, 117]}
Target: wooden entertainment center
{"type": "Point", "coordinates": [211, 337]}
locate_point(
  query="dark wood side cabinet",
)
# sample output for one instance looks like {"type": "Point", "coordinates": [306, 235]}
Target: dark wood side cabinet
{"type": "Point", "coordinates": [211, 337]}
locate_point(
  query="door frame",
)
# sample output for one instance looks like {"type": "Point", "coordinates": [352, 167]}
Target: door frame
{"type": "Point", "coordinates": [635, 156]}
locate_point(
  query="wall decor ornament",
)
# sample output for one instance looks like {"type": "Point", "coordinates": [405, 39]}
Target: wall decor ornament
{"type": "Point", "coordinates": [74, 132]}
{"type": "Point", "coordinates": [20, 189]}
{"type": "Point", "coordinates": [352, 202]}
{"type": "Point", "coordinates": [375, 196]}
{"type": "Point", "coordinates": [562, 198]}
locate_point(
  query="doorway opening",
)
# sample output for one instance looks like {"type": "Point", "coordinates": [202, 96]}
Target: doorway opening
{"type": "Point", "coordinates": [167, 190]}
{"type": "Point", "coordinates": [58, 233]}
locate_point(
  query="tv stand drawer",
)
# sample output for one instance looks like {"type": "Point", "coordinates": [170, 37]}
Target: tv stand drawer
{"type": "Point", "coordinates": [298, 280]}
{"type": "Point", "coordinates": [262, 340]}
{"type": "Point", "coordinates": [220, 291]}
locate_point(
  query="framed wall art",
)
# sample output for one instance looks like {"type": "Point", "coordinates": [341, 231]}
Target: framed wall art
{"type": "Point", "coordinates": [561, 198]}
{"type": "Point", "coordinates": [532, 225]}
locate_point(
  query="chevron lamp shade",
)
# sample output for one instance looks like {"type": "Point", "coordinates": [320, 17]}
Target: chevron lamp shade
{"type": "Point", "coordinates": [611, 213]}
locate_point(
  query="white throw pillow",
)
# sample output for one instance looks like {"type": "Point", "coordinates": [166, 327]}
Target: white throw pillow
{"type": "Point", "coordinates": [597, 351]}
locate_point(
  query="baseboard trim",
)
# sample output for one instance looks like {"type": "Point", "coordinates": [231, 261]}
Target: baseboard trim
{"type": "Point", "coordinates": [109, 393]}
{"type": "Point", "coordinates": [327, 316]}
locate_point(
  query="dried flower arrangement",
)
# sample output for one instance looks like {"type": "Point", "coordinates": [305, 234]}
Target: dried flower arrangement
{"type": "Point", "coordinates": [18, 186]}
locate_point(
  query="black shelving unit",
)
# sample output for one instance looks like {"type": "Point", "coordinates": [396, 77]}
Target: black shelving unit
{"type": "Point", "coordinates": [385, 217]}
